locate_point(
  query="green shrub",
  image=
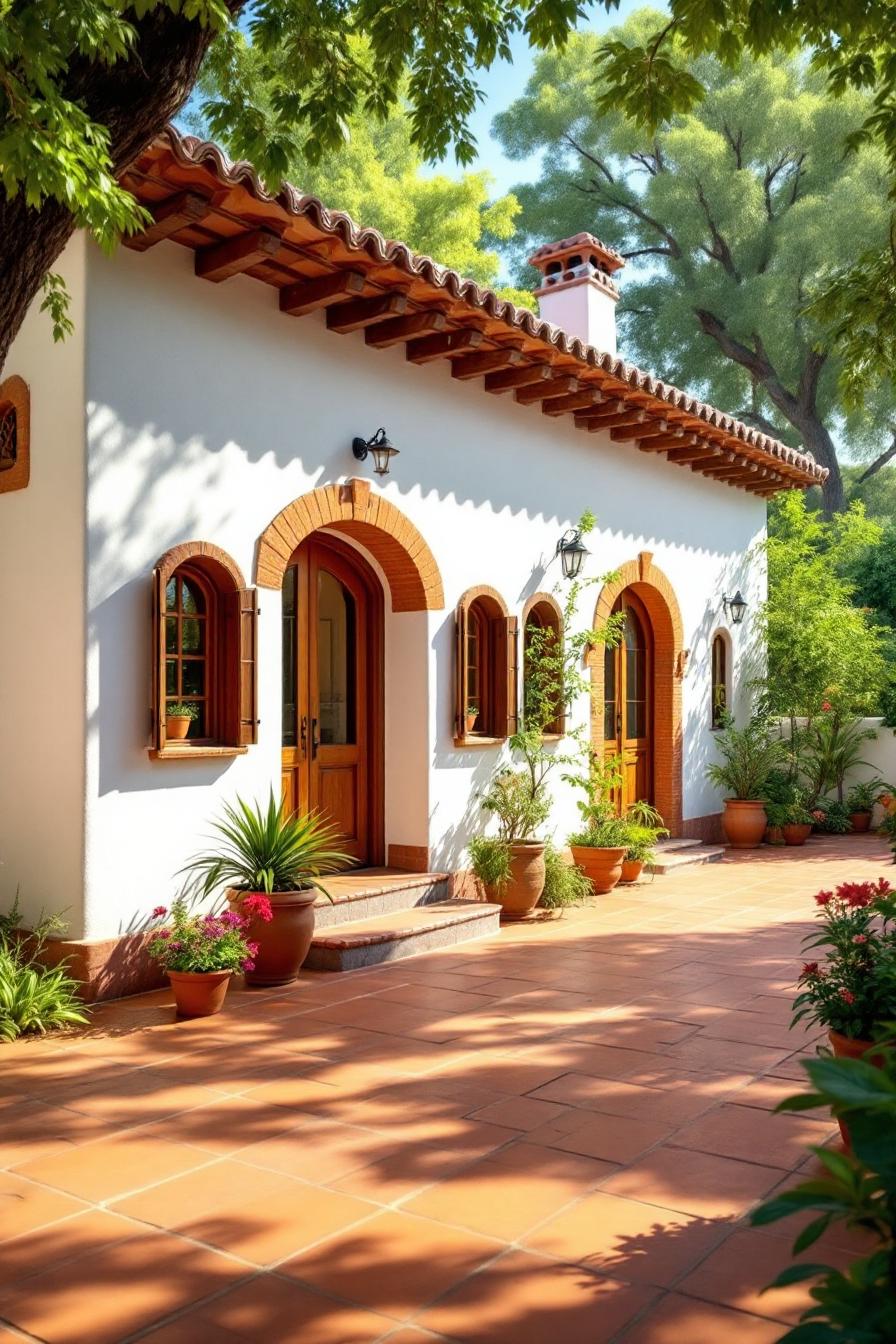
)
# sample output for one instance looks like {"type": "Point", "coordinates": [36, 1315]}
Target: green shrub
{"type": "Point", "coordinates": [564, 883]}
{"type": "Point", "coordinates": [490, 859]}
{"type": "Point", "coordinates": [182, 710]}
{"type": "Point", "coordinates": [831, 817]}
{"type": "Point", "coordinates": [749, 755]}
{"type": "Point", "coordinates": [33, 998]}
{"type": "Point", "coordinates": [863, 796]}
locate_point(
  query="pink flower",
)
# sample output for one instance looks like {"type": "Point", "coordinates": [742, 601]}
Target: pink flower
{"type": "Point", "coordinates": [248, 964]}
{"type": "Point", "coordinates": [847, 996]}
{"type": "Point", "coordinates": [810, 968]}
{"type": "Point", "coordinates": [231, 920]}
{"type": "Point", "coordinates": [160, 912]}
{"type": "Point", "coordinates": [860, 938]}
{"type": "Point", "coordinates": [253, 948]}
{"type": "Point", "coordinates": [258, 906]}
{"type": "Point", "coordinates": [164, 933]}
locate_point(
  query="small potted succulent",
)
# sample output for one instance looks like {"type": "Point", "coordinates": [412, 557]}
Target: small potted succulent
{"type": "Point", "coordinates": [258, 850]}
{"type": "Point", "coordinates": [200, 953]}
{"type": "Point", "coordinates": [860, 802]}
{"type": "Point", "coordinates": [471, 716]}
{"type": "Point", "coordinates": [748, 755]}
{"type": "Point", "coordinates": [646, 827]}
{"type": "Point", "coordinates": [853, 993]}
{"type": "Point", "coordinates": [797, 824]}
{"type": "Point", "coordinates": [179, 716]}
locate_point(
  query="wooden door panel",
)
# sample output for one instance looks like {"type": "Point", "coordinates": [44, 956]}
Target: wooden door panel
{"type": "Point", "coordinates": [628, 708]}
{"type": "Point", "coordinates": [338, 798]}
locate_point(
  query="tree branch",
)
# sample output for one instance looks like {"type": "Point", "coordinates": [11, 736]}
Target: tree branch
{"type": "Point", "coordinates": [881, 461]}
{"type": "Point", "coordinates": [720, 250]}
{"type": "Point", "coordinates": [592, 158]}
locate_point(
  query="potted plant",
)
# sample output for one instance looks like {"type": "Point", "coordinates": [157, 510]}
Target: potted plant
{"type": "Point", "coordinates": [860, 802]}
{"type": "Point", "coordinates": [564, 883]}
{"type": "Point", "coordinates": [775, 820]}
{"type": "Point", "coordinates": [178, 718]}
{"type": "Point", "coordinates": [599, 845]}
{"type": "Point", "coordinates": [472, 716]}
{"type": "Point", "coordinates": [748, 754]}
{"type": "Point", "coordinates": [853, 993]}
{"type": "Point", "coordinates": [646, 827]}
{"type": "Point", "coordinates": [259, 850]}
{"type": "Point", "coordinates": [797, 824]}
{"type": "Point", "coordinates": [830, 817]}
{"type": "Point", "coordinates": [200, 953]}
{"type": "Point", "coordinates": [510, 865]}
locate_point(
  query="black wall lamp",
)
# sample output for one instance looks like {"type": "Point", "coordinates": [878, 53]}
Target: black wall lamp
{"type": "Point", "coordinates": [735, 607]}
{"type": "Point", "coordinates": [572, 552]}
{"type": "Point", "coordinates": [379, 447]}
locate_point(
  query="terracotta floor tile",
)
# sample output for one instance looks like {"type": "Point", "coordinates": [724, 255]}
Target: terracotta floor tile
{"type": "Point", "coordinates": [397, 1177]}
{"type": "Point", "coordinates": [271, 1310]}
{"type": "Point", "coordinates": [394, 1263]}
{"type": "Point", "coordinates": [104, 1297]}
{"type": "Point", "coordinates": [320, 1151]}
{"type": "Point", "coordinates": [613, 1096]}
{"type": "Point", "coordinates": [25, 1206]}
{"type": "Point", "coordinates": [628, 1240]}
{"type": "Point", "coordinates": [71, 1237]}
{"type": "Point", "coordinates": [519, 1113]}
{"type": "Point", "coordinates": [525, 1299]}
{"type": "Point", "coordinates": [300, 1093]}
{"type": "Point", "coordinates": [765, 1093]}
{"type": "Point", "coordinates": [613, 1138]}
{"type": "Point", "coordinates": [755, 1135]}
{"type": "Point", "coordinates": [707, 1052]}
{"type": "Point", "coordinates": [275, 1225]}
{"type": "Point", "coordinates": [36, 1129]}
{"type": "Point", "coordinates": [230, 1125]}
{"type": "Point", "coordinates": [435, 996]}
{"type": "Point", "coordinates": [135, 1098]}
{"type": "Point", "coordinates": [199, 1193]}
{"type": "Point", "coordinates": [698, 1183]}
{"type": "Point", "coordinates": [113, 1166]}
{"type": "Point", "coordinates": [682, 1320]}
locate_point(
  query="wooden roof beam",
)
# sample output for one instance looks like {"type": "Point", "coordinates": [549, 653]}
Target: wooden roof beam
{"type": "Point", "coordinates": [485, 361]}
{"type": "Point", "coordinates": [547, 388]}
{"type": "Point", "coordinates": [707, 451]}
{"type": "Point", "coordinates": [613, 419]}
{"type": "Point", "coordinates": [664, 443]}
{"type": "Point", "coordinates": [507, 379]}
{"type": "Point", "coordinates": [169, 217]}
{"type": "Point", "coordinates": [359, 313]}
{"type": "Point", "coordinates": [219, 261]}
{"type": "Point", "coordinates": [576, 401]}
{"type": "Point", "coordinates": [399, 329]}
{"type": "Point", "coordinates": [305, 296]}
{"type": "Point", "coordinates": [442, 344]}
{"type": "Point", "coordinates": [653, 429]}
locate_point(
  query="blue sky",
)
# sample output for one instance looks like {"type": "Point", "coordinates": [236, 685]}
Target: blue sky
{"type": "Point", "coordinates": [506, 81]}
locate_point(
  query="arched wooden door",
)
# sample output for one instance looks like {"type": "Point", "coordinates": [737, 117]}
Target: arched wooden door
{"type": "Point", "coordinates": [628, 701]}
{"type": "Point", "coordinates": [332, 693]}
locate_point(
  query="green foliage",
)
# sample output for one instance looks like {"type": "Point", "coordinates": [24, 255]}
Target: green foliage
{"type": "Point", "coordinates": [519, 809]}
{"type": "Point", "coordinates": [863, 795]}
{"type": "Point", "coordinates": [749, 755]}
{"type": "Point", "coordinates": [831, 817]}
{"type": "Point", "coordinates": [888, 704]}
{"type": "Point", "coordinates": [182, 710]}
{"type": "Point", "coordinates": [854, 991]}
{"type": "Point", "coordinates": [564, 883]}
{"type": "Point", "coordinates": [203, 943]}
{"type": "Point", "coordinates": [830, 749]}
{"type": "Point", "coordinates": [600, 779]}
{"type": "Point", "coordinates": [490, 860]}
{"type": "Point", "coordinates": [260, 848]}
{"type": "Point", "coordinates": [857, 1190]}
{"type": "Point", "coordinates": [34, 999]}
{"type": "Point", "coordinates": [821, 646]}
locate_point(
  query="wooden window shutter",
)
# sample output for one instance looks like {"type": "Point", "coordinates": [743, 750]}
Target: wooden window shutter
{"type": "Point", "coordinates": [460, 671]}
{"type": "Point", "coordinates": [246, 601]}
{"type": "Point", "coordinates": [157, 712]}
{"type": "Point", "coordinates": [513, 669]}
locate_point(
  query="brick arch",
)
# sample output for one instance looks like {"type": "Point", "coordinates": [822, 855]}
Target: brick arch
{"type": "Point", "coordinates": [651, 585]}
{"type": "Point", "coordinates": [392, 539]}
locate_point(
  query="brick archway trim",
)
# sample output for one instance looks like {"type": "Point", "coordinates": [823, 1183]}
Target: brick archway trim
{"type": "Point", "coordinates": [392, 539]}
{"type": "Point", "coordinates": [652, 586]}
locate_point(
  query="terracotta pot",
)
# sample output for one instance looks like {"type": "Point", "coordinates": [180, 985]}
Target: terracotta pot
{"type": "Point", "coordinates": [631, 870]}
{"type": "Point", "coordinates": [774, 835]}
{"type": "Point", "coordinates": [284, 942]}
{"type": "Point", "coordinates": [520, 894]}
{"type": "Point", "coordinates": [177, 726]}
{"type": "Point", "coordinates": [744, 822]}
{"type": "Point", "coordinates": [861, 821]}
{"type": "Point", "coordinates": [471, 722]}
{"type": "Point", "coordinates": [796, 833]}
{"type": "Point", "coordinates": [602, 867]}
{"type": "Point", "coordinates": [199, 993]}
{"type": "Point", "coordinates": [844, 1047]}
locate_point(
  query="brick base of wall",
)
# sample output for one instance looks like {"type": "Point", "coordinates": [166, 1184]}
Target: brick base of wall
{"type": "Point", "coordinates": [108, 968]}
{"type": "Point", "coordinates": [707, 828]}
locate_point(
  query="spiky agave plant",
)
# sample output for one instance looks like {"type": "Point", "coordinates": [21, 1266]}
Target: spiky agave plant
{"type": "Point", "coordinates": [260, 848]}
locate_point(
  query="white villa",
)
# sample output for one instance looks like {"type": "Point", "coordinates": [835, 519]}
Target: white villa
{"type": "Point", "coordinates": [183, 517]}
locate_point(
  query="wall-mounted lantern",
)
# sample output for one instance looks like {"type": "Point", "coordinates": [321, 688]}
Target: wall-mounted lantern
{"type": "Point", "coordinates": [572, 552]}
{"type": "Point", "coordinates": [379, 448]}
{"type": "Point", "coordinates": [735, 607]}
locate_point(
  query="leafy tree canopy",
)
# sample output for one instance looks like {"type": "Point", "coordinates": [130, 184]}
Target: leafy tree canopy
{"type": "Point", "coordinates": [376, 174]}
{"type": "Point", "coordinates": [732, 210]}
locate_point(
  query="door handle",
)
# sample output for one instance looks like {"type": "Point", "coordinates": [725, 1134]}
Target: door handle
{"type": "Point", "coordinates": [619, 723]}
{"type": "Point", "coordinates": [315, 739]}
{"type": "Point", "coordinates": [303, 735]}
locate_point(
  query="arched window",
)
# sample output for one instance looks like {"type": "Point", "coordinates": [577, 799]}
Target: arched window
{"type": "Point", "coordinates": [204, 640]}
{"type": "Point", "coordinates": [15, 464]}
{"type": "Point", "coordinates": [485, 683]}
{"type": "Point", "coordinates": [542, 647]}
{"type": "Point", "coordinates": [721, 692]}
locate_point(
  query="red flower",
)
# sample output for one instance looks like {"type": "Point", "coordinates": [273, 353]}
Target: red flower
{"type": "Point", "coordinates": [860, 938]}
{"type": "Point", "coordinates": [847, 996]}
{"type": "Point", "coordinates": [824, 898]}
{"type": "Point", "coordinates": [826, 706]}
{"type": "Point", "coordinates": [159, 912]}
{"type": "Point", "coordinates": [259, 906]}
{"type": "Point", "coordinates": [810, 968]}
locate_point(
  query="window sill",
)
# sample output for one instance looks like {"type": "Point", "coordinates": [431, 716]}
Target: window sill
{"type": "Point", "coordinates": [183, 753]}
{"type": "Point", "coordinates": [475, 740]}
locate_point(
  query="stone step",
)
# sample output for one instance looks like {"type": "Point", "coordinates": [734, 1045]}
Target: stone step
{"type": "Point", "coordinates": [673, 860]}
{"type": "Point", "coordinates": [675, 842]}
{"type": "Point", "coordinates": [406, 933]}
{"type": "Point", "coordinates": [369, 892]}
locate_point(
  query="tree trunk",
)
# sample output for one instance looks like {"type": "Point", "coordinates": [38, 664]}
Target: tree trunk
{"type": "Point", "coordinates": [818, 442]}
{"type": "Point", "coordinates": [134, 99]}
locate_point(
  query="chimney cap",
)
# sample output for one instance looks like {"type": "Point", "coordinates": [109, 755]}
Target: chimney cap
{"type": "Point", "coordinates": [605, 258]}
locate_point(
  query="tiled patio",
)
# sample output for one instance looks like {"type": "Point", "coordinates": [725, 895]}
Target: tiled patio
{"type": "Point", "coordinates": [554, 1135]}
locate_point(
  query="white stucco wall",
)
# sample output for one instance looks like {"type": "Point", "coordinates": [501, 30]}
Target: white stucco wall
{"type": "Point", "coordinates": [42, 643]}
{"type": "Point", "coordinates": [208, 411]}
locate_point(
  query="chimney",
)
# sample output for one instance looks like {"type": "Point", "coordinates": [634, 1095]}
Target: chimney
{"type": "Point", "coordinates": [577, 292]}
